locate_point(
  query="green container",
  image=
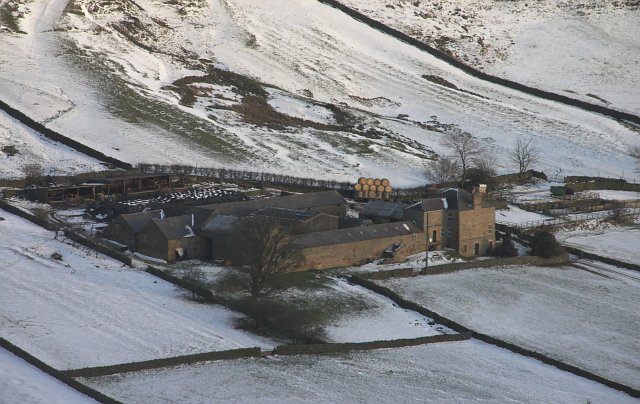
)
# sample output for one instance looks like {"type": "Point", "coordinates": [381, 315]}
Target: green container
{"type": "Point", "coordinates": [558, 190]}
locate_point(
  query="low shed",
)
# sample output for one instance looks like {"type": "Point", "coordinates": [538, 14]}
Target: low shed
{"type": "Point", "coordinates": [355, 246]}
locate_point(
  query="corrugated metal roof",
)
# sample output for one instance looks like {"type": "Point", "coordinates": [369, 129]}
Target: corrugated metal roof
{"type": "Point", "coordinates": [354, 234]}
{"type": "Point", "coordinates": [382, 209]}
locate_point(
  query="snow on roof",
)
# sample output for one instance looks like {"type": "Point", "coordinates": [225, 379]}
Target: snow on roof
{"type": "Point", "coordinates": [175, 227]}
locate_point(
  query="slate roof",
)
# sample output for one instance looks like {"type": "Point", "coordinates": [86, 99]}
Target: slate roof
{"type": "Point", "coordinates": [429, 205]}
{"type": "Point", "coordinates": [300, 201]}
{"type": "Point", "coordinates": [340, 236]}
{"type": "Point", "coordinates": [136, 221]}
{"type": "Point", "coordinates": [220, 224]}
{"type": "Point", "coordinates": [457, 199]}
{"type": "Point", "coordinates": [175, 227]}
{"type": "Point", "coordinates": [382, 209]}
{"type": "Point", "coordinates": [285, 213]}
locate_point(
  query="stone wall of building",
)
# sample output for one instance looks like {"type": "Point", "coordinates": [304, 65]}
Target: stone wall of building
{"type": "Point", "coordinates": [321, 222]}
{"type": "Point", "coordinates": [119, 231]}
{"type": "Point", "coordinates": [477, 227]}
{"type": "Point", "coordinates": [336, 210]}
{"type": "Point", "coordinates": [359, 252]}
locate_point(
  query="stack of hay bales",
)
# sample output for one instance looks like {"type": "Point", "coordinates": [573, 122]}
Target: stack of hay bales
{"type": "Point", "coordinates": [372, 188]}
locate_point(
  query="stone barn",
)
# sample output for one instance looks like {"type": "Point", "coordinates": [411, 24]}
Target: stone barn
{"type": "Point", "coordinates": [224, 229]}
{"type": "Point", "coordinates": [359, 245]}
{"type": "Point", "coordinates": [172, 239]}
{"type": "Point", "coordinates": [300, 221]}
{"type": "Point", "coordinates": [124, 229]}
{"type": "Point", "coordinates": [428, 214]}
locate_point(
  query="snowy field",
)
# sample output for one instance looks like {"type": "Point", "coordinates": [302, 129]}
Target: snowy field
{"type": "Point", "coordinates": [618, 195]}
{"type": "Point", "coordinates": [457, 372]}
{"type": "Point", "coordinates": [84, 310]}
{"type": "Point", "coordinates": [415, 261]}
{"type": "Point", "coordinates": [588, 318]}
{"type": "Point", "coordinates": [23, 383]}
{"type": "Point", "coordinates": [585, 49]}
{"type": "Point", "coordinates": [350, 313]}
{"type": "Point", "coordinates": [514, 214]}
{"type": "Point", "coordinates": [382, 319]}
{"type": "Point", "coordinates": [618, 243]}
{"type": "Point", "coordinates": [111, 84]}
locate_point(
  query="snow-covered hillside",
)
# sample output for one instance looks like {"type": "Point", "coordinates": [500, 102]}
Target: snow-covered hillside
{"type": "Point", "coordinates": [295, 87]}
{"type": "Point", "coordinates": [585, 49]}
{"type": "Point", "coordinates": [82, 309]}
{"type": "Point", "coordinates": [21, 146]}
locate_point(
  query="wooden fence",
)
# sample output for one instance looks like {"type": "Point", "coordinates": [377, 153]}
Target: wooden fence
{"type": "Point", "coordinates": [571, 218]}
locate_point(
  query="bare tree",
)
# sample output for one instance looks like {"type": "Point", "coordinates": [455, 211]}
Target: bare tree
{"type": "Point", "coordinates": [635, 153]}
{"type": "Point", "coordinates": [262, 249]}
{"type": "Point", "coordinates": [524, 154]}
{"type": "Point", "coordinates": [32, 173]}
{"type": "Point", "coordinates": [195, 276]}
{"type": "Point", "coordinates": [441, 170]}
{"type": "Point", "coordinates": [483, 168]}
{"type": "Point", "coordinates": [464, 146]}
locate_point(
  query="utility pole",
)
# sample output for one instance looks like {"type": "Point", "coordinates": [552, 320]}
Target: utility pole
{"type": "Point", "coordinates": [426, 240]}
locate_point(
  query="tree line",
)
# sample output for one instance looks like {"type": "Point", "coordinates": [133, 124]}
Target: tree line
{"type": "Point", "coordinates": [471, 160]}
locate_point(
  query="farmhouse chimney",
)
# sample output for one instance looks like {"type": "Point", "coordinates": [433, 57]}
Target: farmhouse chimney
{"type": "Point", "coordinates": [478, 194]}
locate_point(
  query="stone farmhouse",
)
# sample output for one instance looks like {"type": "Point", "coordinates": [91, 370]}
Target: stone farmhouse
{"type": "Point", "coordinates": [456, 219]}
{"type": "Point", "coordinates": [452, 219]}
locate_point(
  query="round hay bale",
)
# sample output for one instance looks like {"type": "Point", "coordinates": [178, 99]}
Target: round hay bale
{"type": "Point", "coordinates": [388, 189]}
{"type": "Point", "coordinates": [385, 182]}
{"type": "Point", "coordinates": [365, 187]}
{"type": "Point", "coordinates": [362, 180]}
{"type": "Point", "coordinates": [369, 181]}
{"type": "Point", "coordinates": [380, 188]}
{"type": "Point", "coordinates": [372, 194]}
{"type": "Point", "coordinates": [358, 187]}
{"type": "Point", "coordinates": [377, 181]}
